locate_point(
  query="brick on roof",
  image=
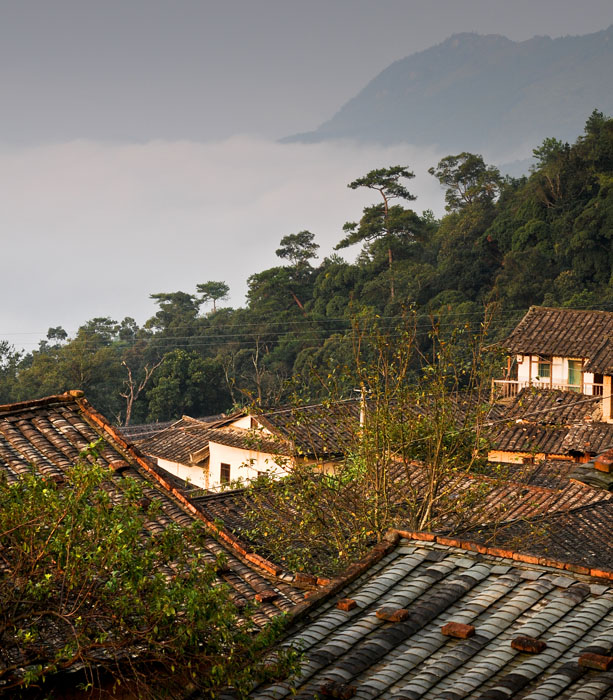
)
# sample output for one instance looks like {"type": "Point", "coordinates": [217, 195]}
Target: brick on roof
{"type": "Point", "coordinates": [49, 434]}
{"type": "Point", "coordinates": [353, 651]}
{"type": "Point", "coordinates": [560, 332]}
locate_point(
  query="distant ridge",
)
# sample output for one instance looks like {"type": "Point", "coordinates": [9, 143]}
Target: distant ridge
{"type": "Point", "coordinates": [481, 93]}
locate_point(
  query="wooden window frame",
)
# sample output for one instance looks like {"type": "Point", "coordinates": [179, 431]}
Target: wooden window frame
{"type": "Point", "coordinates": [225, 471]}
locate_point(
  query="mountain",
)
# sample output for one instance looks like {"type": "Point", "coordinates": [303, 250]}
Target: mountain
{"type": "Point", "coordinates": [482, 93]}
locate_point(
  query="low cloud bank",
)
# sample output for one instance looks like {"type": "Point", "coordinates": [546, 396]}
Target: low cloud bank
{"type": "Point", "coordinates": [92, 229]}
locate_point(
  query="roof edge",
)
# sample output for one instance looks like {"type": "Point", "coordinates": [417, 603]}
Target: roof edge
{"type": "Point", "coordinates": [391, 540]}
{"type": "Point", "coordinates": [233, 542]}
{"type": "Point", "coordinates": [502, 553]}
{"type": "Point", "coordinates": [66, 397]}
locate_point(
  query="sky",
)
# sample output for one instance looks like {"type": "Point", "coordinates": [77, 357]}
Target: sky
{"type": "Point", "coordinates": [139, 151]}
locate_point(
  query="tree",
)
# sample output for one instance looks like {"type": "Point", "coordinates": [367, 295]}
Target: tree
{"type": "Point", "coordinates": [468, 180]}
{"type": "Point", "coordinates": [134, 388]}
{"type": "Point", "coordinates": [298, 248]}
{"type": "Point", "coordinates": [87, 585]}
{"type": "Point", "coordinates": [177, 315]}
{"type": "Point", "coordinates": [383, 220]}
{"type": "Point", "coordinates": [213, 291]}
{"type": "Point", "coordinates": [415, 431]}
{"type": "Point", "coordinates": [187, 383]}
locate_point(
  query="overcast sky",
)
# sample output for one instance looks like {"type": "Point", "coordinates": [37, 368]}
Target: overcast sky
{"type": "Point", "coordinates": [138, 153]}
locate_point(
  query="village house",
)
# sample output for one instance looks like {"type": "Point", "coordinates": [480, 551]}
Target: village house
{"type": "Point", "coordinates": [567, 349]}
{"type": "Point", "coordinates": [245, 445]}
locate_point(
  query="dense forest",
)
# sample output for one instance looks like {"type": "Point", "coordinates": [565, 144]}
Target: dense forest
{"type": "Point", "coordinates": [545, 238]}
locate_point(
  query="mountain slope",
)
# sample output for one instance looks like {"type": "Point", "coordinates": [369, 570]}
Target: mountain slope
{"type": "Point", "coordinates": [483, 93]}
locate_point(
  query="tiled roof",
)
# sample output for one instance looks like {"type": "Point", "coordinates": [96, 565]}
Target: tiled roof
{"type": "Point", "coordinates": [136, 432]}
{"type": "Point", "coordinates": [592, 437]}
{"type": "Point", "coordinates": [552, 422]}
{"type": "Point", "coordinates": [177, 442]}
{"type": "Point", "coordinates": [552, 406]}
{"type": "Point", "coordinates": [190, 437]}
{"type": "Point", "coordinates": [251, 440]}
{"type": "Point", "coordinates": [49, 434]}
{"type": "Point", "coordinates": [548, 473]}
{"type": "Point", "coordinates": [321, 430]}
{"type": "Point", "coordinates": [527, 437]}
{"type": "Point", "coordinates": [330, 429]}
{"type": "Point", "coordinates": [426, 620]}
{"type": "Point", "coordinates": [491, 501]}
{"type": "Point", "coordinates": [498, 500]}
{"type": "Point", "coordinates": [601, 358]}
{"type": "Point", "coordinates": [560, 332]}
{"type": "Point", "coordinates": [586, 473]}
{"type": "Point", "coordinates": [581, 536]}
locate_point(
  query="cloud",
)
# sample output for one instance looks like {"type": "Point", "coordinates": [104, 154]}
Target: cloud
{"type": "Point", "coordinates": [92, 229]}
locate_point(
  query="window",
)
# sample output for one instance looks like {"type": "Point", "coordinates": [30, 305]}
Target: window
{"type": "Point", "coordinates": [544, 368]}
{"type": "Point", "coordinates": [224, 473]}
{"type": "Point", "coordinates": [574, 374]}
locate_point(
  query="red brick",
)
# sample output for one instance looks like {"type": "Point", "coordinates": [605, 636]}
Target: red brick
{"type": "Point", "coordinates": [301, 578]}
{"type": "Point", "coordinates": [577, 569]}
{"type": "Point", "coordinates": [458, 630]}
{"type": "Point", "coordinates": [600, 573]}
{"type": "Point", "coordinates": [530, 645]}
{"type": "Point", "coordinates": [412, 535]}
{"type": "Point", "coordinates": [266, 596]}
{"type": "Point", "coordinates": [390, 614]}
{"type": "Point", "coordinates": [346, 604]}
{"type": "Point", "coordinates": [526, 558]}
{"type": "Point", "coordinates": [596, 661]}
{"type": "Point", "coordinates": [604, 462]}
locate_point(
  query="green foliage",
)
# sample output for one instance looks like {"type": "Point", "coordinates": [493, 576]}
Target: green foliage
{"type": "Point", "coordinates": [213, 291]}
{"type": "Point", "coordinates": [468, 180]}
{"type": "Point", "coordinates": [185, 383]}
{"type": "Point", "coordinates": [330, 510]}
{"type": "Point", "coordinates": [298, 248]}
{"type": "Point", "coordinates": [544, 238]}
{"type": "Point", "coordinates": [86, 585]}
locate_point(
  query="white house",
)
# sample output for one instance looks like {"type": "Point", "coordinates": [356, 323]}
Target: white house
{"type": "Point", "coordinates": [568, 349]}
{"type": "Point", "coordinates": [245, 445]}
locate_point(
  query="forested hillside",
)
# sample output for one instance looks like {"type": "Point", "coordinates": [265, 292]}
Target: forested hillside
{"type": "Point", "coordinates": [542, 239]}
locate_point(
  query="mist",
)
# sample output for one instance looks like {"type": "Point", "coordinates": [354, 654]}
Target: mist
{"type": "Point", "coordinates": [92, 229]}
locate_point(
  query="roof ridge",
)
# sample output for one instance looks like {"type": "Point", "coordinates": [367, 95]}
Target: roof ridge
{"type": "Point", "coordinates": [66, 397]}
{"type": "Point", "coordinates": [513, 554]}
